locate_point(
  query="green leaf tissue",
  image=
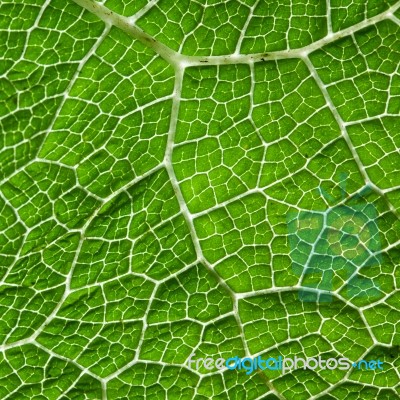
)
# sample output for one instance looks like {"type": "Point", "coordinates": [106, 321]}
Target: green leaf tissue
{"type": "Point", "coordinates": [200, 199]}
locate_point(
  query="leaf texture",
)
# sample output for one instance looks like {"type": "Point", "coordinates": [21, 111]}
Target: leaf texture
{"type": "Point", "coordinates": [210, 177]}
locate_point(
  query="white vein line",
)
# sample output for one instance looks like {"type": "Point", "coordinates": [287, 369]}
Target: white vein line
{"type": "Point", "coordinates": [141, 339]}
{"type": "Point", "coordinates": [69, 276]}
{"type": "Point", "coordinates": [142, 11]}
{"type": "Point", "coordinates": [394, 18]}
{"type": "Point", "coordinates": [329, 17]}
{"type": "Point", "coordinates": [367, 119]}
{"type": "Point", "coordinates": [90, 52]}
{"type": "Point", "coordinates": [346, 136]}
{"type": "Point", "coordinates": [179, 72]}
{"type": "Point", "coordinates": [34, 26]}
{"type": "Point", "coordinates": [177, 59]}
{"type": "Point", "coordinates": [69, 360]}
{"type": "Point", "coordinates": [74, 79]}
{"type": "Point", "coordinates": [65, 96]}
{"type": "Point", "coordinates": [124, 23]}
{"type": "Point", "coordinates": [245, 26]}
{"type": "Point", "coordinates": [27, 340]}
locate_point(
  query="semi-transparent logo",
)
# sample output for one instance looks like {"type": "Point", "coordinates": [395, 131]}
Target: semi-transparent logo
{"type": "Point", "coordinates": [336, 249]}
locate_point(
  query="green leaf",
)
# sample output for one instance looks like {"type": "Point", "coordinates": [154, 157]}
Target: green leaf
{"type": "Point", "coordinates": [208, 178]}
